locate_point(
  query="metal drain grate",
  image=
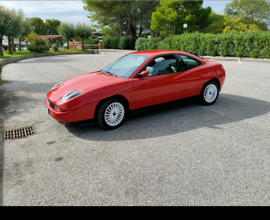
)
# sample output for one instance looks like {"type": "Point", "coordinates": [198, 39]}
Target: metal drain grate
{"type": "Point", "coordinates": [19, 133]}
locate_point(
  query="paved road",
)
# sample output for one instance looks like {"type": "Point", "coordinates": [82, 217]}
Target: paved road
{"type": "Point", "coordinates": [183, 155]}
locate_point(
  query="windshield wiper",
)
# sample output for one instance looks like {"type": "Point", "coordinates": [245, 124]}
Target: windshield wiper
{"type": "Point", "coordinates": [108, 72]}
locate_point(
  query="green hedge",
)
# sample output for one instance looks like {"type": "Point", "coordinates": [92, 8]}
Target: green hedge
{"type": "Point", "coordinates": [246, 44]}
{"type": "Point", "coordinates": [124, 43]}
{"type": "Point", "coordinates": [38, 46]}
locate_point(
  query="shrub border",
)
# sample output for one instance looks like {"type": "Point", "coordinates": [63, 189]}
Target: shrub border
{"type": "Point", "coordinates": [18, 58]}
{"type": "Point", "coordinates": [245, 44]}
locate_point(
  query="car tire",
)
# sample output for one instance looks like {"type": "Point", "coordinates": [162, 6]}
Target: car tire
{"type": "Point", "coordinates": [209, 93]}
{"type": "Point", "coordinates": [111, 113]}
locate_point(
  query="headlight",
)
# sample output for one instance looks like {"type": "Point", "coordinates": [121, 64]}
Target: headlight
{"type": "Point", "coordinates": [70, 95]}
{"type": "Point", "coordinates": [56, 85]}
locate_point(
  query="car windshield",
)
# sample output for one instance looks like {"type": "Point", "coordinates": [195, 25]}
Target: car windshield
{"type": "Point", "coordinates": [125, 66]}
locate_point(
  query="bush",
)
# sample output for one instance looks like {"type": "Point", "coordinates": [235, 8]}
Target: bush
{"type": "Point", "coordinates": [225, 44]}
{"type": "Point", "coordinates": [195, 42]}
{"type": "Point", "coordinates": [166, 44]}
{"type": "Point", "coordinates": [239, 45]}
{"type": "Point", "coordinates": [211, 44]}
{"type": "Point", "coordinates": [246, 44]}
{"type": "Point", "coordinates": [265, 44]}
{"type": "Point", "coordinates": [91, 40]}
{"type": "Point", "coordinates": [152, 43]}
{"type": "Point", "coordinates": [266, 52]}
{"type": "Point", "coordinates": [141, 44]}
{"type": "Point", "coordinates": [127, 43]}
{"type": "Point", "coordinates": [38, 46]}
{"type": "Point", "coordinates": [177, 42]}
{"type": "Point", "coordinates": [109, 43]}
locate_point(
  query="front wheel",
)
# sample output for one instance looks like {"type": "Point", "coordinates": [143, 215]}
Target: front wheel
{"type": "Point", "coordinates": [111, 113]}
{"type": "Point", "coordinates": [209, 93]}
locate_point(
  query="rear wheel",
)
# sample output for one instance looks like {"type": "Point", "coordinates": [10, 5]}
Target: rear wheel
{"type": "Point", "coordinates": [209, 93]}
{"type": "Point", "coordinates": [111, 113]}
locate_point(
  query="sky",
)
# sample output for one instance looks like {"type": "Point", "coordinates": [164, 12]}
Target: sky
{"type": "Point", "coordinates": [72, 11]}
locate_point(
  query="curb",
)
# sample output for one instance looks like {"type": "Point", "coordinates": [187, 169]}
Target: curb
{"type": "Point", "coordinates": [18, 58]}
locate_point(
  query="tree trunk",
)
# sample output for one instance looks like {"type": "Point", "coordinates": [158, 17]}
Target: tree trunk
{"type": "Point", "coordinates": [20, 44]}
{"type": "Point", "coordinates": [133, 30]}
{"type": "Point", "coordinates": [13, 45]}
{"type": "Point", "coordinates": [119, 20]}
{"type": "Point", "coordinates": [1, 48]}
{"type": "Point", "coordinates": [10, 52]}
{"type": "Point", "coordinates": [128, 25]}
{"type": "Point", "coordinates": [121, 31]}
{"type": "Point", "coordinates": [83, 44]}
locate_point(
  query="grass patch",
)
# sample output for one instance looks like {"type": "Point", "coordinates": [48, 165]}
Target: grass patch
{"type": "Point", "coordinates": [15, 54]}
{"type": "Point", "coordinates": [27, 52]}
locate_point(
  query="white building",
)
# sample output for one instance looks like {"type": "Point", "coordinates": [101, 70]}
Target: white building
{"type": "Point", "coordinates": [5, 41]}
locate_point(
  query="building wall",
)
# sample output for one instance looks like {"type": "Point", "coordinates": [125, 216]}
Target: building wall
{"type": "Point", "coordinates": [75, 45]}
{"type": "Point", "coordinates": [16, 41]}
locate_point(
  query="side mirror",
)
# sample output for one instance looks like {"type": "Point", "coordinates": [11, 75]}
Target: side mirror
{"type": "Point", "coordinates": [144, 73]}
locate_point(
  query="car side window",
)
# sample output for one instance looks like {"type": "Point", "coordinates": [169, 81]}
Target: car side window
{"type": "Point", "coordinates": [162, 65]}
{"type": "Point", "coordinates": [188, 62]}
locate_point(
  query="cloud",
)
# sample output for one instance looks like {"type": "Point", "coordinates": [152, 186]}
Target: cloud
{"type": "Point", "coordinates": [65, 11]}
{"type": "Point", "coordinates": [41, 6]}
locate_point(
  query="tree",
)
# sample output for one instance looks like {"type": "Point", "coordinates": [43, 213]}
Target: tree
{"type": "Point", "coordinates": [14, 28]}
{"type": "Point", "coordinates": [255, 10]}
{"type": "Point", "coordinates": [51, 25]}
{"type": "Point", "coordinates": [4, 21]}
{"type": "Point", "coordinates": [260, 24]}
{"type": "Point", "coordinates": [83, 31]}
{"type": "Point", "coordinates": [216, 24]}
{"type": "Point", "coordinates": [236, 25]}
{"type": "Point", "coordinates": [120, 18]}
{"type": "Point", "coordinates": [67, 31]}
{"type": "Point", "coordinates": [32, 36]}
{"type": "Point", "coordinates": [26, 29]}
{"type": "Point", "coordinates": [171, 15]}
{"type": "Point", "coordinates": [38, 26]}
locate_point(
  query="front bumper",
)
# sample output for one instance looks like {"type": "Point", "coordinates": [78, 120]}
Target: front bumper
{"type": "Point", "coordinates": [75, 115]}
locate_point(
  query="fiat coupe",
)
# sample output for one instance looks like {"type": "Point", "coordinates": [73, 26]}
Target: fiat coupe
{"type": "Point", "coordinates": [136, 82]}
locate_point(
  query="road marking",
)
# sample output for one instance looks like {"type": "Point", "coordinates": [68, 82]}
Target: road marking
{"type": "Point", "coordinates": [239, 61]}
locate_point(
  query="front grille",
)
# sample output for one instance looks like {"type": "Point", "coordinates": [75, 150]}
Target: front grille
{"type": "Point", "coordinates": [51, 104]}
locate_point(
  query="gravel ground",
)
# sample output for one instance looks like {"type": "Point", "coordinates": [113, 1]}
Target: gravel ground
{"type": "Point", "coordinates": [183, 155]}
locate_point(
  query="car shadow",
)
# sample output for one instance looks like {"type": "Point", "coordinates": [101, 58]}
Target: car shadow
{"type": "Point", "coordinates": [177, 119]}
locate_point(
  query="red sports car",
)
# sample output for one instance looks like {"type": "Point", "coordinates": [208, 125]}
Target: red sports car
{"type": "Point", "coordinates": [135, 82]}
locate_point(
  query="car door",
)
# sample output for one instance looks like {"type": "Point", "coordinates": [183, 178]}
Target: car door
{"type": "Point", "coordinates": [165, 83]}
{"type": "Point", "coordinates": [195, 74]}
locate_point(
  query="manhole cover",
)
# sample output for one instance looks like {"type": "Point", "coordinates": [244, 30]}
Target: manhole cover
{"type": "Point", "coordinates": [19, 133]}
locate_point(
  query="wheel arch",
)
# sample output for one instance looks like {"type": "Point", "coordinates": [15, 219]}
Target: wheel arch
{"type": "Point", "coordinates": [215, 80]}
{"type": "Point", "coordinates": [114, 96]}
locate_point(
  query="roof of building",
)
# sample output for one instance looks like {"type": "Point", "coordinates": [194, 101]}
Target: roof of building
{"type": "Point", "coordinates": [54, 37]}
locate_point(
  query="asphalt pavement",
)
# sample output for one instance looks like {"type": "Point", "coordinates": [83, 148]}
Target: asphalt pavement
{"type": "Point", "coordinates": [184, 155]}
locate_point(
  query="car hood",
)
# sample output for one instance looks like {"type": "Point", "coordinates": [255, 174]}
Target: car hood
{"type": "Point", "coordinates": [85, 83]}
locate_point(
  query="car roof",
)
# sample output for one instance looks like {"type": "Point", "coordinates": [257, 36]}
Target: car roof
{"type": "Point", "coordinates": [153, 53]}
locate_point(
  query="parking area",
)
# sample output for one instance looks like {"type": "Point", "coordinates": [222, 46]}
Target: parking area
{"type": "Point", "coordinates": [182, 155]}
